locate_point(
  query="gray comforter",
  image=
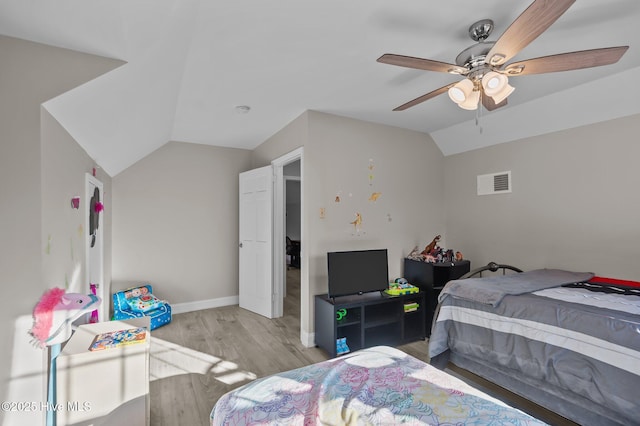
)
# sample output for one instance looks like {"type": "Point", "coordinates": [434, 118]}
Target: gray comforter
{"type": "Point", "coordinates": [491, 290]}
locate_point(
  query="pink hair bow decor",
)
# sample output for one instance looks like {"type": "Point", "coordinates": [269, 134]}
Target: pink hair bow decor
{"type": "Point", "coordinates": [54, 313]}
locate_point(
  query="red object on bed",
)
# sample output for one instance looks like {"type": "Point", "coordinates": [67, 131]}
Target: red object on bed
{"type": "Point", "coordinates": [615, 281]}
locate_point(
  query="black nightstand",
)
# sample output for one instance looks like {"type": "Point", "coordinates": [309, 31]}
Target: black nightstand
{"type": "Point", "coordinates": [431, 277]}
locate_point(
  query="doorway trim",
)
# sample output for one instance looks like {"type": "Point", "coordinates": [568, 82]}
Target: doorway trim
{"type": "Point", "coordinates": [279, 231]}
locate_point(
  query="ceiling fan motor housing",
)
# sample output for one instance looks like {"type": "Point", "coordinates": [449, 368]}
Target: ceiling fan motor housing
{"type": "Point", "coordinates": [481, 30]}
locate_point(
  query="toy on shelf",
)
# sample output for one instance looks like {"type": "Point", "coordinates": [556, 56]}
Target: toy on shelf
{"type": "Point", "coordinates": [433, 253]}
{"type": "Point", "coordinates": [341, 314]}
{"type": "Point", "coordinates": [432, 246]}
{"type": "Point", "coordinates": [115, 339]}
{"type": "Point", "coordinates": [401, 286]}
{"type": "Point", "coordinates": [341, 346]}
{"type": "Point", "coordinates": [411, 307]}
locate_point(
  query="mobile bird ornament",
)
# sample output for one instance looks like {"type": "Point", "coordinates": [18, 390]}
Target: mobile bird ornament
{"type": "Point", "coordinates": [53, 316]}
{"type": "Point", "coordinates": [55, 312]}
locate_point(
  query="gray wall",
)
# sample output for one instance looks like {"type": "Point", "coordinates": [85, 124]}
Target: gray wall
{"type": "Point", "coordinates": [407, 171]}
{"type": "Point", "coordinates": [574, 205]}
{"type": "Point", "coordinates": [33, 198]}
{"type": "Point", "coordinates": [292, 136]}
{"type": "Point", "coordinates": [64, 168]}
{"type": "Point", "coordinates": [175, 222]}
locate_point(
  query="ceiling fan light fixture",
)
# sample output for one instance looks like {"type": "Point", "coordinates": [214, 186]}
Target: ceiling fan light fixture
{"type": "Point", "coordinates": [497, 86]}
{"type": "Point", "coordinates": [471, 103]}
{"type": "Point", "coordinates": [493, 82]}
{"type": "Point", "coordinates": [456, 94]}
{"type": "Point", "coordinates": [503, 94]}
{"type": "Point", "coordinates": [461, 91]}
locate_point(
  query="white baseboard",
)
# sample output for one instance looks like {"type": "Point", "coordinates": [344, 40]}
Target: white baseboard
{"type": "Point", "coordinates": [180, 308]}
{"type": "Point", "coordinates": [308, 339]}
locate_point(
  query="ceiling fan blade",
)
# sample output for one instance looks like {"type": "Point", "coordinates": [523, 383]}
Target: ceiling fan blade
{"type": "Point", "coordinates": [567, 61]}
{"type": "Point", "coordinates": [527, 27]}
{"type": "Point", "coordinates": [490, 104]}
{"type": "Point", "coordinates": [421, 64]}
{"type": "Point", "coordinates": [423, 98]}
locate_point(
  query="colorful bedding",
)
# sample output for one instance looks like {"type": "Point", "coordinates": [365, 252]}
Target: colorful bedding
{"type": "Point", "coordinates": [380, 385]}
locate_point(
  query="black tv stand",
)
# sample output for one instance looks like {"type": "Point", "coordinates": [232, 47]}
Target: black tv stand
{"type": "Point", "coordinates": [371, 319]}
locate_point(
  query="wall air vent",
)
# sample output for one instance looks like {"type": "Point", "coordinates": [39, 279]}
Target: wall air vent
{"type": "Point", "coordinates": [494, 183]}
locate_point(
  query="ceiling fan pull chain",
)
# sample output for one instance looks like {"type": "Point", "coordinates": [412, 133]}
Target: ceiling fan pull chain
{"type": "Point", "coordinates": [479, 113]}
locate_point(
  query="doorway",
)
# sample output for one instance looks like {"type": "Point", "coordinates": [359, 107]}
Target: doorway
{"type": "Point", "coordinates": [289, 221]}
{"type": "Point", "coordinates": [293, 209]}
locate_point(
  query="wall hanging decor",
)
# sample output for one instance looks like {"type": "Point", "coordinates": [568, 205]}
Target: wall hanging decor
{"type": "Point", "coordinates": [357, 223]}
{"type": "Point", "coordinates": [374, 196]}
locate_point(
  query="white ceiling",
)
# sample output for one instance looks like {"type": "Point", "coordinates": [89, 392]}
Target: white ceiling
{"type": "Point", "coordinates": [190, 62]}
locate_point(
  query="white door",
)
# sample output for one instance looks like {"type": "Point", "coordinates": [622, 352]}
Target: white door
{"type": "Point", "coordinates": [94, 246]}
{"type": "Point", "coordinates": [256, 234]}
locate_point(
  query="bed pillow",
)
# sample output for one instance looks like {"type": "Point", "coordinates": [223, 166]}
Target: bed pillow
{"type": "Point", "coordinates": [615, 281]}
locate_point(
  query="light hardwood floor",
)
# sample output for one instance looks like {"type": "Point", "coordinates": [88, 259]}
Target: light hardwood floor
{"type": "Point", "coordinates": [201, 355]}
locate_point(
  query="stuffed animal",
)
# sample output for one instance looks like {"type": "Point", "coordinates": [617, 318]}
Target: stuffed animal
{"type": "Point", "coordinates": [432, 245]}
{"type": "Point", "coordinates": [449, 256]}
{"type": "Point", "coordinates": [415, 254]}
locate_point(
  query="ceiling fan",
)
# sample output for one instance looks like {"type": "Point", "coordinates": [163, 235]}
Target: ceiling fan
{"type": "Point", "coordinates": [483, 64]}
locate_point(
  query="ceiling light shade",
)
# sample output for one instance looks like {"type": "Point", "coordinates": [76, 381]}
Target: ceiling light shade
{"type": "Point", "coordinates": [456, 94]}
{"type": "Point", "coordinates": [499, 97]}
{"type": "Point", "coordinates": [497, 86]}
{"type": "Point", "coordinates": [461, 91]}
{"type": "Point", "coordinates": [493, 82]}
{"type": "Point", "coordinates": [472, 101]}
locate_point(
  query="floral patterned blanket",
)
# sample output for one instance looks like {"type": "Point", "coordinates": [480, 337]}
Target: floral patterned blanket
{"type": "Point", "coordinates": [380, 386]}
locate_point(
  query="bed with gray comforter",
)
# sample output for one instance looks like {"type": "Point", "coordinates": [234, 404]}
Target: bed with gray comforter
{"type": "Point", "coordinates": [545, 342]}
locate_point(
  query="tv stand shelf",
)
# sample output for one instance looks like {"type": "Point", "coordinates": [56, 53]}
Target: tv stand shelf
{"type": "Point", "coordinates": [431, 278]}
{"type": "Point", "coordinates": [371, 319]}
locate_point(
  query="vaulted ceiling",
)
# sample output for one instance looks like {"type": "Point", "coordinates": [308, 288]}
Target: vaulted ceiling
{"type": "Point", "coordinates": [190, 63]}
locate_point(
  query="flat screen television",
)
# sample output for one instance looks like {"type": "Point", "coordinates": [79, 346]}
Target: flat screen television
{"type": "Point", "coordinates": [357, 272]}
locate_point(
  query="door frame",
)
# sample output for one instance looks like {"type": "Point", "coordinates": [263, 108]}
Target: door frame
{"type": "Point", "coordinates": [279, 232]}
